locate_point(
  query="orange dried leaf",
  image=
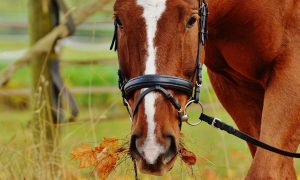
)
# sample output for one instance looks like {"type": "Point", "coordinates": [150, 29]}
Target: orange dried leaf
{"type": "Point", "coordinates": [85, 155]}
{"type": "Point", "coordinates": [109, 144]}
{"type": "Point", "coordinates": [108, 155]}
{"type": "Point", "coordinates": [188, 157]}
{"type": "Point", "coordinates": [103, 158]}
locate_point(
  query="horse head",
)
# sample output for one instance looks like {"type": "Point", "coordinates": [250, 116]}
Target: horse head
{"type": "Point", "coordinates": [156, 37]}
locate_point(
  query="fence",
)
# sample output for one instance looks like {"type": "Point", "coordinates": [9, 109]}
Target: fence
{"type": "Point", "coordinates": [45, 29]}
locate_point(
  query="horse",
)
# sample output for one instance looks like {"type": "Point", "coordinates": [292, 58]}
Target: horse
{"type": "Point", "coordinates": [251, 59]}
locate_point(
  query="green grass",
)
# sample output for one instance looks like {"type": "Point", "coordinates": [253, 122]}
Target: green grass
{"type": "Point", "coordinates": [13, 10]}
{"type": "Point", "coordinates": [218, 154]}
{"type": "Point", "coordinates": [75, 54]}
{"type": "Point", "coordinates": [11, 45]}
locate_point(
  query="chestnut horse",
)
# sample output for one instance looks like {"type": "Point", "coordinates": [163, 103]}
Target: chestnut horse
{"type": "Point", "coordinates": [252, 61]}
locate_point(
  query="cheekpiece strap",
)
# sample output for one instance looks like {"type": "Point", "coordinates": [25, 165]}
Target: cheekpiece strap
{"type": "Point", "coordinates": [114, 43]}
{"type": "Point", "coordinates": [202, 38]}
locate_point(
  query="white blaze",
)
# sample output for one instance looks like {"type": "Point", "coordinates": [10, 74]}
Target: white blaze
{"type": "Point", "coordinates": [153, 9]}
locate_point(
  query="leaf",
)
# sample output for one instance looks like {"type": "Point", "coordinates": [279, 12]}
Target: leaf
{"type": "Point", "coordinates": [103, 158]}
{"type": "Point", "coordinates": [85, 155]}
{"type": "Point", "coordinates": [188, 157]}
{"type": "Point", "coordinates": [108, 155]}
{"type": "Point", "coordinates": [108, 144]}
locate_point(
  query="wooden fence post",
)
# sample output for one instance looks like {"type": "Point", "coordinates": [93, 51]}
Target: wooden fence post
{"type": "Point", "coordinates": [45, 131]}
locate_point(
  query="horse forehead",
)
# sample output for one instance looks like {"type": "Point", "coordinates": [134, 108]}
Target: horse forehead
{"type": "Point", "coordinates": [136, 4]}
{"type": "Point", "coordinates": [131, 6]}
{"type": "Point", "coordinates": [153, 3]}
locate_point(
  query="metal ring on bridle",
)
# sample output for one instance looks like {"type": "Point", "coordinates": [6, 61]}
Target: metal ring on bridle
{"type": "Point", "coordinates": [185, 116]}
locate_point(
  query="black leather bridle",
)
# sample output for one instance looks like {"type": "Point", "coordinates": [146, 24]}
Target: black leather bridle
{"type": "Point", "coordinates": [160, 83]}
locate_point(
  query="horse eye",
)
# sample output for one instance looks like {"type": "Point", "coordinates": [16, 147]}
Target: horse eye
{"type": "Point", "coordinates": [191, 21]}
{"type": "Point", "coordinates": [119, 23]}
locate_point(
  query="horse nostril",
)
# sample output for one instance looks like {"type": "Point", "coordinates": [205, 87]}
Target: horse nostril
{"type": "Point", "coordinates": [173, 147]}
{"type": "Point", "coordinates": [172, 150]}
{"type": "Point", "coordinates": [133, 148]}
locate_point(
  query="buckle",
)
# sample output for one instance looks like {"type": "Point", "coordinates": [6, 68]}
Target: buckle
{"type": "Point", "coordinates": [184, 115]}
{"type": "Point", "coordinates": [214, 122]}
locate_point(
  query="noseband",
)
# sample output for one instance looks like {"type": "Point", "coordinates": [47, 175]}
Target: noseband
{"type": "Point", "coordinates": [160, 83]}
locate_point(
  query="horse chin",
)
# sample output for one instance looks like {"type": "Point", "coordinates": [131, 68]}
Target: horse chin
{"type": "Point", "coordinates": [157, 169]}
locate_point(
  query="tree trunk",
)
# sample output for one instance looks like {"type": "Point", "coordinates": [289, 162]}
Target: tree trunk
{"type": "Point", "coordinates": [45, 131]}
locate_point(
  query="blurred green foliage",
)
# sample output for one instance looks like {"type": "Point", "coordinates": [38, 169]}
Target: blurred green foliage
{"type": "Point", "coordinates": [17, 9]}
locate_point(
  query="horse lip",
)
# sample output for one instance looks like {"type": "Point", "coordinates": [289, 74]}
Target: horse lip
{"type": "Point", "coordinates": [157, 169]}
{"type": "Point", "coordinates": [153, 169]}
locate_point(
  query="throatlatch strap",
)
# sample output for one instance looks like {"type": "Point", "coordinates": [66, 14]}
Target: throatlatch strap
{"type": "Point", "coordinates": [231, 130]}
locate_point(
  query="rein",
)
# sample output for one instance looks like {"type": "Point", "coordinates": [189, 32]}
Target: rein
{"type": "Point", "coordinates": [160, 83]}
{"type": "Point", "coordinates": [217, 123]}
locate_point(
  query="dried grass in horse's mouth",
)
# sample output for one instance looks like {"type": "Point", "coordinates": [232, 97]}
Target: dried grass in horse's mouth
{"type": "Point", "coordinates": [104, 158]}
